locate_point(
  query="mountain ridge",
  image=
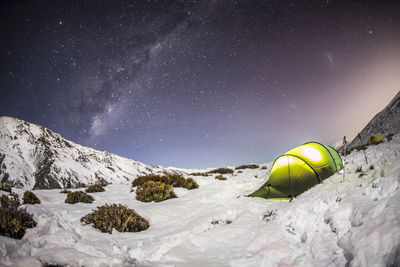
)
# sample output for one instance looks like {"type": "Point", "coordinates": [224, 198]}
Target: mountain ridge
{"type": "Point", "coordinates": [386, 122]}
{"type": "Point", "coordinates": [34, 157]}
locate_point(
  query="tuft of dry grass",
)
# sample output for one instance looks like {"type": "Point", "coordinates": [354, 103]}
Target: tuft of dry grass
{"type": "Point", "coordinates": [102, 182]}
{"type": "Point", "coordinates": [220, 177]}
{"type": "Point", "coordinates": [154, 191]}
{"type": "Point", "coordinates": [94, 188]}
{"type": "Point", "coordinates": [78, 196]}
{"type": "Point", "coordinates": [118, 217]}
{"type": "Point", "coordinates": [199, 174]}
{"type": "Point", "coordinates": [5, 186]}
{"type": "Point", "coordinates": [248, 166]}
{"type": "Point", "coordinates": [14, 220]}
{"type": "Point", "coordinates": [359, 169]}
{"type": "Point", "coordinates": [175, 180]}
{"type": "Point", "coordinates": [222, 171]}
{"type": "Point", "coordinates": [65, 191]}
{"type": "Point", "coordinates": [30, 198]}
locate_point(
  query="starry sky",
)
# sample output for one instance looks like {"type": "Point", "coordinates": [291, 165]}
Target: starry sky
{"type": "Point", "coordinates": [197, 84]}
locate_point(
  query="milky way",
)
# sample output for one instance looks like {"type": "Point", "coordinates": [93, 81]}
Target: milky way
{"type": "Point", "coordinates": [199, 83]}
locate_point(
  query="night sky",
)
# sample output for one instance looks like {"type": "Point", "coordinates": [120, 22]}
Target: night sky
{"type": "Point", "coordinates": [199, 83]}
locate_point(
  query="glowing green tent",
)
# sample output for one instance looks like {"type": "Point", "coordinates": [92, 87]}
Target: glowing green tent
{"type": "Point", "coordinates": [299, 169]}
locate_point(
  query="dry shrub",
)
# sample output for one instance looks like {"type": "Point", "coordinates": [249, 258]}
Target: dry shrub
{"type": "Point", "coordinates": [222, 171]}
{"type": "Point", "coordinates": [199, 174]}
{"type": "Point", "coordinates": [47, 264]}
{"type": "Point", "coordinates": [119, 217]}
{"type": "Point", "coordinates": [102, 182]}
{"type": "Point", "coordinates": [175, 180]}
{"type": "Point", "coordinates": [143, 179]}
{"type": "Point", "coordinates": [263, 167]}
{"type": "Point", "coordinates": [371, 167]}
{"type": "Point", "coordinates": [359, 169]}
{"type": "Point", "coordinates": [375, 139]}
{"type": "Point", "coordinates": [190, 183]}
{"type": "Point", "coordinates": [30, 198]}
{"type": "Point", "coordinates": [249, 166]}
{"type": "Point", "coordinates": [78, 196]}
{"type": "Point", "coordinates": [65, 191]}
{"type": "Point", "coordinates": [5, 186]}
{"type": "Point", "coordinates": [94, 188]}
{"type": "Point", "coordinates": [220, 177]}
{"type": "Point", "coordinates": [14, 219]}
{"type": "Point", "coordinates": [361, 147]}
{"type": "Point", "coordinates": [154, 191]}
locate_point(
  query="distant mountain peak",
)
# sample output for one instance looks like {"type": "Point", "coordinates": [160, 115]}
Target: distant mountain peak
{"type": "Point", "coordinates": [32, 156]}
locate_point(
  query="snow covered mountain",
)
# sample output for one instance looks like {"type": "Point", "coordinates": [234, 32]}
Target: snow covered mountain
{"type": "Point", "coordinates": [385, 122]}
{"type": "Point", "coordinates": [32, 156]}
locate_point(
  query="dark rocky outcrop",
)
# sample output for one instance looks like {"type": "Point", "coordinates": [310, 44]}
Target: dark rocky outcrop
{"type": "Point", "coordinates": [385, 123]}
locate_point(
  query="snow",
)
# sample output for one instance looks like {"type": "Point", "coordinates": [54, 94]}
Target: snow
{"type": "Point", "coordinates": [354, 222]}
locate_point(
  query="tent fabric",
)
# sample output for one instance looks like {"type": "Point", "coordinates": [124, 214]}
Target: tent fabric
{"type": "Point", "coordinates": [300, 169]}
{"type": "Point", "coordinates": [336, 158]}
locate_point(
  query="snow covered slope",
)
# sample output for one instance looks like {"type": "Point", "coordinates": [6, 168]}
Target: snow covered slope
{"type": "Point", "coordinates": [32, 156]}
{"type": "Point", "coordinates": [355, 222]}
{"type": "Point", "coordinates": [385, 122]}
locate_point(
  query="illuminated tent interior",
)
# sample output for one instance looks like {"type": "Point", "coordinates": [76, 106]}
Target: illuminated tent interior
{"type": "Point", "coordinates": [300, 169]}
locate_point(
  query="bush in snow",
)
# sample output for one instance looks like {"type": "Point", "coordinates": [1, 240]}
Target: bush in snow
{"type": "Point", "coordinates": [249, 166]}
{"type": "Point", "coordinates": [175, 180]}
{"type": "Point", "coordinates": [78, 196]}
{"type": "Point", "coordinates": [5, 186]}
{"type": "Point", "coordinates": [375, 139]}
{"type": "Point", "coordinates": [47, 264]}
{"type": "Point", "coordinates": [102, 182]}
{"type": "Point", "coordinates": [30, 198]}
{"type": "Point", "coordinates": [119, 217]}
{"type": "Point", "coordinates": [14, 219]}
{"type": "Point", "coordinates": [189, 183]}
{"type": "Point", "coordinates": [264, 168]}
{"type": "Point", "coordinates": [222, 171]}
{"type": "Point", "coordinates": [220, 177]}
{"type": "Point", "coordinates": [199, 174]}
{"type": "Point", "coordinates": [94, 188]}
{"type": "Point", "coordinates": [154, 191]}
{"type": "Point", "coordinates": [65, 191]}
